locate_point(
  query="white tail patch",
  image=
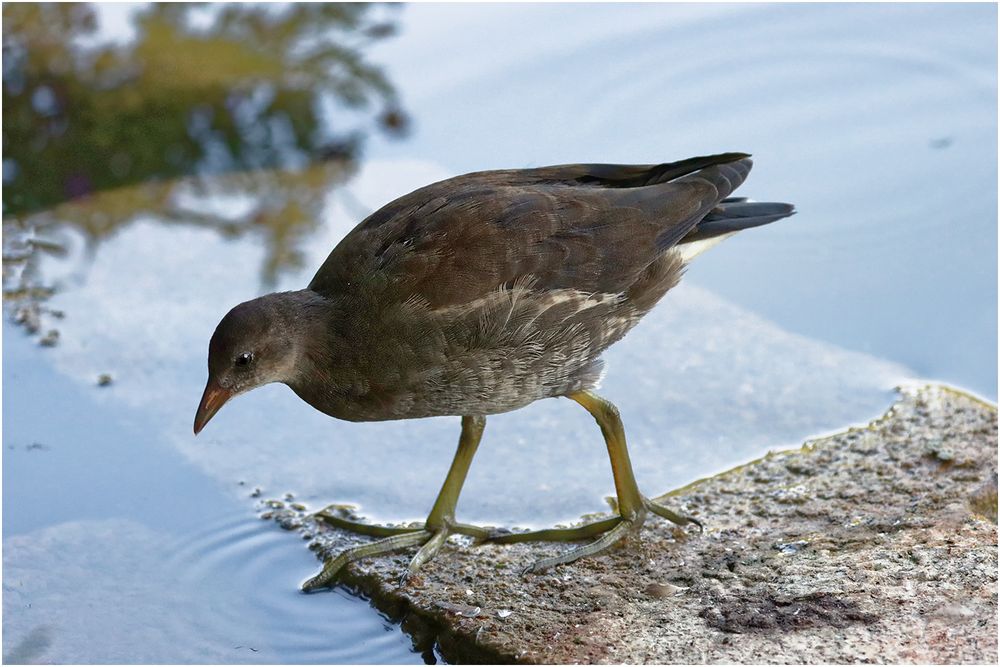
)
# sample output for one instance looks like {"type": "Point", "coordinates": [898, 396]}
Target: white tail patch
{"type": "Point", "coordinates": [692, 249]}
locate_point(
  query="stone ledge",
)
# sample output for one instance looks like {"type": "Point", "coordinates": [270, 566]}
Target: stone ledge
{"type": "Point", "coordinates": [878, 544]}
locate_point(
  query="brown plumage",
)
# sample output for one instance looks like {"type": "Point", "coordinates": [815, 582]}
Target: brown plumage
{"type": "Point", "coordinates": [483, 293]}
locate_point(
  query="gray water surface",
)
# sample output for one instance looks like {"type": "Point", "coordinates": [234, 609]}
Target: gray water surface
{"type": "Point", "coordinates": [128, 540]}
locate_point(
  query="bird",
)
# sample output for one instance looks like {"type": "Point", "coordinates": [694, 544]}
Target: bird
{"type": "Point", "coordinates": [478, 295]}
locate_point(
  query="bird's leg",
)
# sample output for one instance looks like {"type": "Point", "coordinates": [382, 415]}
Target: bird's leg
{"type": "Point", "coordinates": [632, 506]}
{"type": "Point", "coordinates": [432, 535]}
{"type": "Point", "coordinates": [441, 521]}
{"type": "Point", "coordinates": [443, 513]}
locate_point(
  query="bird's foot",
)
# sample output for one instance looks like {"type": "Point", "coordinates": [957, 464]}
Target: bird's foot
{"type": "Point", "coordinates": [610, 532]}
{"type": "Point", "coordinates": [338, 516]}
{"type": "Point", "coordinates": [430, 540]}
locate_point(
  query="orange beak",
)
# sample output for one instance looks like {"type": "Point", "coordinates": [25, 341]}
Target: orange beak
{"type": "Point", "coordinates": [215, 397]}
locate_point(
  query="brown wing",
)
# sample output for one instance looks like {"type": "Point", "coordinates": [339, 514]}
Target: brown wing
{"type": "Point", "coordinates": [593, 228]}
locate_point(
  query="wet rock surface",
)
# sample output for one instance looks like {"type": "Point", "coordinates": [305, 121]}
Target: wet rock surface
{"type": "Point", "coordinates": [877, 544]}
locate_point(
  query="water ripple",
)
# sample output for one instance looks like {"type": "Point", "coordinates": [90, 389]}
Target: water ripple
{"type": "Point", "coordinates": [242, 553]}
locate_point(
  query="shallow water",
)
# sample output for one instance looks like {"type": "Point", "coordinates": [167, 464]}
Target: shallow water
{"type": "Point", "coordinates": [127, 540]}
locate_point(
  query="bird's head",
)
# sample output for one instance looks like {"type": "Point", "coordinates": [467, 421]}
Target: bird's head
{"type": "Point", "coordinates": [254, 344]}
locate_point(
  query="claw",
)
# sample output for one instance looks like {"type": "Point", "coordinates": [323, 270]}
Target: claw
{"type": "Point", "coordinates": [322, 580]}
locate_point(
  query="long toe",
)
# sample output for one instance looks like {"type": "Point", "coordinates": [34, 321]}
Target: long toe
{"type": "Point", "coordinates": [327, 577]}
{"type": "Point", "coordinates": [430, 549]}
{"type": "Point", "coordinates": [608, 532]}
{"type": "Point", "coordinates": [338, 517]}
{"type": "Point", "coordinates": [394, 539]}
{"type": "Point", "coordinates": [598, 546]}
{"type": "Point", "coordinates": [573, 534]}
{"type": "Point", "coordinates": [670, 515]}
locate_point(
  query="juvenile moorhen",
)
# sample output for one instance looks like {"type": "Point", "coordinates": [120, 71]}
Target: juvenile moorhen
{"type": "Point", "coordinates": [479, 295]}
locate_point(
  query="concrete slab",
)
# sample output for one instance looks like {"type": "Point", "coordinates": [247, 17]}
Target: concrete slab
{"type": "Point", "coordinates": [877, 544]}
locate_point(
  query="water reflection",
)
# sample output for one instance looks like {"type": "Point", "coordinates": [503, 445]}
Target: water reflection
{"type": "Point", "coordinates": [264, 107]}
{"type": "Point", "coordinates": [213, 122]}
{"type": "Point", "coordinates": [31, 648]}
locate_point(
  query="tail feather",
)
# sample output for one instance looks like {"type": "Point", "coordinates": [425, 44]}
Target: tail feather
{"type": "Point", "coordinates": [673, 170]}
{"type": "Point", "coordinates": [635, 176]}
{"type": "Point", "coordinates": [724, 178]}
{"type": "Point", "coordinates": [732, 216]}
{"type": "Point", "coordinates": [728, 217]}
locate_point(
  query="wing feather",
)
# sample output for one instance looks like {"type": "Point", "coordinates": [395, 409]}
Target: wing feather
{"type": "Point", "coordinates": [593, 228]}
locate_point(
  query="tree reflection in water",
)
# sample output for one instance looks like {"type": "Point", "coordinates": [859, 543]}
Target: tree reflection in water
{"type": "Point", "coordinates": [267, 103]}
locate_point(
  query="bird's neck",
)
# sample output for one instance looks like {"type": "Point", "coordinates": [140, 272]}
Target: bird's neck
{"type": "Point", "coordinates": [330, 352]}
{"type": "Point", "coordinates": [306, 323]}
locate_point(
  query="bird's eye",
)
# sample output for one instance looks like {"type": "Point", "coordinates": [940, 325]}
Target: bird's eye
{"type": "Point", "coordinates": [244, 359]}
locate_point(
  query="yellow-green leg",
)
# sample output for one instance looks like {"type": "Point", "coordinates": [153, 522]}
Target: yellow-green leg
{"type": "Point", "coordinates": [431, 536]}
{"type": "Point", "coordinates": [632, 506]}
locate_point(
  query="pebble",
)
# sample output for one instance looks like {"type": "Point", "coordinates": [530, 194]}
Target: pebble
{"type": "Point", "coordinates": [791, 547]}
{"type": "Point", "coordinates": [955, 612]}
{"type": "Point", "coordinates": [467, 611]}
{"type": "Point", "coordinates": [662, 591]}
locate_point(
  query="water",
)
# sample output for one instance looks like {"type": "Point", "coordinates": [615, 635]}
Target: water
{"type": "Point", "coordinates": [128, 540]}
{"type": "Point", "coordinates": [878, 121]}
{"type": "Point", "coordinates": [118, 551]}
